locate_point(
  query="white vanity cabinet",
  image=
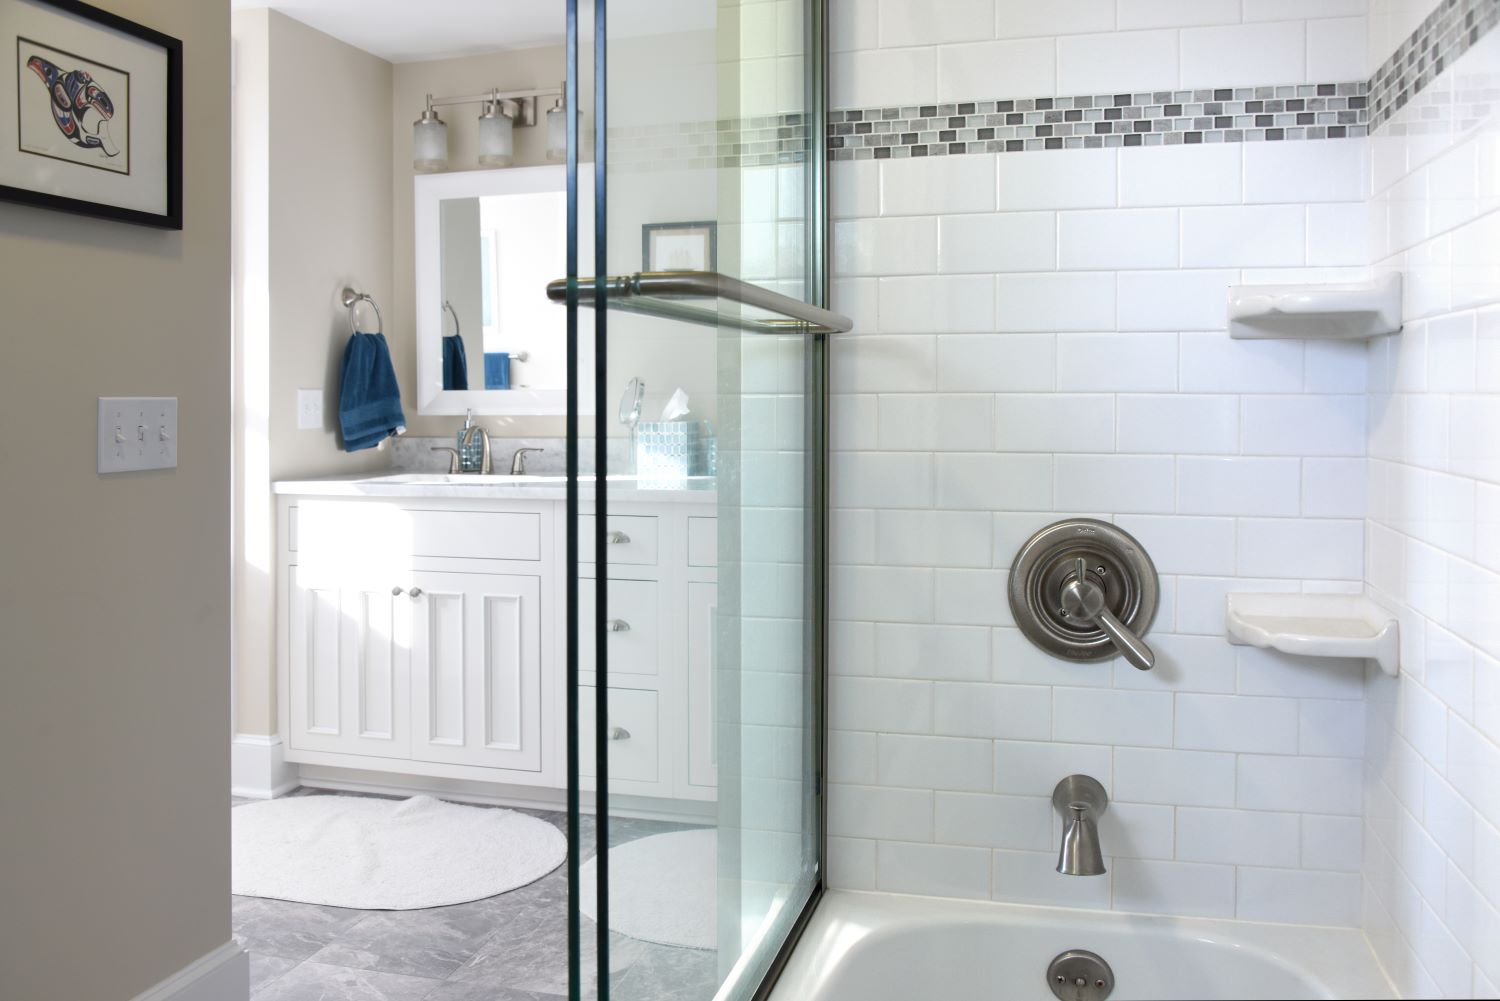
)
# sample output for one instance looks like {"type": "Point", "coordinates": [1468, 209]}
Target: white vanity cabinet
{"type": "Point", "coordinates": [423, 635]}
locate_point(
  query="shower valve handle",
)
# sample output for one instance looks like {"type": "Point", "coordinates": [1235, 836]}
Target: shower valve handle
{"type": "Point", "coordinates": [1084, 598]}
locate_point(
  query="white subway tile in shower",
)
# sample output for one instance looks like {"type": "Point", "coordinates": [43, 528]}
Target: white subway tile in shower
{"type": "Point", "coordinates": [1185, 888]}
{"type": "Point", "coordinates": [1181, 175]}
{"type": "Point", "coordinates": [1117, 362]}
{"type": "Point", "coordinates": [1054, 422]}
{"type": "Point", "coordinates": [1112, 239]}
{"type": "Point", "coordinates": [937, 304]}
{"type": "Point", "coordinates": [1239, 837]}
{"type": "Point", "coordinates": [992, 821]}
{"type": "Point", "coordinates": [996, 363]}
{"type": "Point", "coordinates": [1174, 300]}
{"type": "Point", "coordinates": [933, 870]}
{"type": "Point", "coordinates": [937, 186]}
{"type": "Point", "coordinates": [1298, 783]}
{"type": "Point", "coordinates": [979, 69]}
{"type": "Point", "coordinates": [1239, 485]}
{"type": "Point", "coordinates": [1091, 715]}
{"type": "Point", "coordinates": [942, 653]}
{"type": "Point", "coordinates": [1032, 768]}
{"type": "Point", "coordinates": [1117, 62]}
{"type": "Point", "coordinates": [1170, 777]}
{"type": "Point", "coordinates": [997, 242]}
{"type": "Point", "coordinates": [1179, 424]}
{"type": "Point", "coordinates": [1244, 55]}
{"type": "Point", "coordinates": [922, 762]}
{"type": "Point", "coordinates": [1244, 236]}
{"type": "Point", "coordinates": [1298, 895]}
{"type": "Point", "coordinates": [1032, 180]}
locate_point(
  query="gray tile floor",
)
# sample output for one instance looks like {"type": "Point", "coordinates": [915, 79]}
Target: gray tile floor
{"type": "Point", "coordinates": [512, 947]}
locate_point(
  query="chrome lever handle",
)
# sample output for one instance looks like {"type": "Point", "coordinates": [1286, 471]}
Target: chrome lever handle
{"type": "Point", "coordinates": [617, 626]}
{"type": "Point", "coordinates": [616, 538]}
{"type": "Point", "coordinates": [1131, 646]}
{"type": "Point", "coordinates": [618, 733]}
{"type": "Point", "coordinates": [1082, 597]}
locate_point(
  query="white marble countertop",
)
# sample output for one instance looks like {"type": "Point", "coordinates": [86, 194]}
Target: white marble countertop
{"type": "Point", "coordinates": [469, 486]}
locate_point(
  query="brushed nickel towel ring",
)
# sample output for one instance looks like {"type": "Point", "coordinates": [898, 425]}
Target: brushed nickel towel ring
{"type": "Point", "coordinates": [351, 300]}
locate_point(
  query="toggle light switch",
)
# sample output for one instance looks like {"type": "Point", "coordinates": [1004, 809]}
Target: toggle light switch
{"type": "Point", "coordinates": [137, 433]}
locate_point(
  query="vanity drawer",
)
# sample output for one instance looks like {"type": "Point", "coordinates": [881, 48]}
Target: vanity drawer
{"type": "Point", "coordinates": [478, 535]}
{"type": "Point", "coordinates": [382, 538]}
{"type": "Point", "coordinates": [631, 734]}
{"type": "Point", "coordinates": [632, 606]}
{"type": "Point", "coordinates": [703, 542]}
{"type": "Point", "coordinates": [634, 535]}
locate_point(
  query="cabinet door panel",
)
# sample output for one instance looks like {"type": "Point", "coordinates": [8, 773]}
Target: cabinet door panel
{"type": "Point", "coordinates": [702, 689]}
{"type": "Point", "coordinates": [349, 685]}
{"type": "Point", "coordinates": [377, 654]}
{"type": "Point", "coordinates": [476, 670]}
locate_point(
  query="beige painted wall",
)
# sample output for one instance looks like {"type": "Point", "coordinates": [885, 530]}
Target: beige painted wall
{"type": "Point", "coordinates": [114, 603]}
{"type": "Point", "coordinates": [312, 204]}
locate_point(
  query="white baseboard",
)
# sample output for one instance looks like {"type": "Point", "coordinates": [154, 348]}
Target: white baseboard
{"type": "Point", "coordinates": [493, 794]}
{"type": "Point", "coordinates": [258, 768]}
{"type": "Point", "coordinates": [221, 975]}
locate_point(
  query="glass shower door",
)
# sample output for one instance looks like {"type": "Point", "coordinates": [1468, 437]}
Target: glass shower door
{"type": "Point", "coordinates": [700, 511]}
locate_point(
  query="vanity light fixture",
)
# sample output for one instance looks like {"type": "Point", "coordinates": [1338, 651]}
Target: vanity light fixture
{"type": "Point", "coordinates": [557, 131]}
{"type": "Point", "coordinates": [496, 136]}
{"type": "Point", "coordinates": [500, 112]}
{"type": "Point", "coordinates": [429, 140]}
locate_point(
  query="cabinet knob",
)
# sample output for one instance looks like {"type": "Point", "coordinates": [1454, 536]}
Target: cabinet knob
{"type": "Point", "coordinates": [616, 538]}
{"type": "Point", "coordinates": [396, 592]}
{"type": "Point", "coordinates": [618, 733]}
{"type": "Point", "coordinates": [416, 592]}
{"type": "Point", "coordinates": [617, 626]}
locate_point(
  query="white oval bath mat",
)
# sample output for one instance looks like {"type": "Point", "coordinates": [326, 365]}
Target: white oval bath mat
{"type": "Point", "coordinates": [661, 888]}
{"type": "Point", "coordinates": [386, 854]}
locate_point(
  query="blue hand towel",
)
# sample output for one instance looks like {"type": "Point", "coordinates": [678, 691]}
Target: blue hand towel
{"type": "Point", "coordinates": [369, 399]}
{"type": "Point", "coordinates": [496, 370]}
{"type": "Point", "coordinates": [455, 363]}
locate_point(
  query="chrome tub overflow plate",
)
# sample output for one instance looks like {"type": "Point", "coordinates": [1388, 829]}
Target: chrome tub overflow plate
{"type": "Point", "coordinates": [1085, 590]}
{"type": "Point", "coordinates": [1080, 975]}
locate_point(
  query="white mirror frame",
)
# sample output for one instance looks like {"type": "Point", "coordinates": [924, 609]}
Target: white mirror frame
{"type": "Point", "coordinates": [430, 190]}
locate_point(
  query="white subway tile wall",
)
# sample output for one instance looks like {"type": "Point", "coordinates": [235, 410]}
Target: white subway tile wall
{"type": "Point", "coordinates": [1041, 335]}
{"type": "Point", "coordinates": [1431, 903]}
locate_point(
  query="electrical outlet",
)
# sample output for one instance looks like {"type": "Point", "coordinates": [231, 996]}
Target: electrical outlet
{"type": "Point", "coordinates": [309, 409]}
{"type": "Point", "coordinates": [137, 433]}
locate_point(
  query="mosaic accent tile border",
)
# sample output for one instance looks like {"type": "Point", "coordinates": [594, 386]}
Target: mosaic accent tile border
{"type": "Point", "coordinates": [1158, 118]}
{"type": "Point", "coordinates": [1444, 35]}
{"type": "Point", "coordinates": [726, 142]}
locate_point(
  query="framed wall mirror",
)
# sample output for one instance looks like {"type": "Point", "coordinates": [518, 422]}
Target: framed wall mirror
{"type": "Point", "coordinates": [487, 244]}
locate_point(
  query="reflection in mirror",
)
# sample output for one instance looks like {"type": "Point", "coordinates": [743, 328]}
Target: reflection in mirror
{"type": "Point", "coordinates": [488, 338]}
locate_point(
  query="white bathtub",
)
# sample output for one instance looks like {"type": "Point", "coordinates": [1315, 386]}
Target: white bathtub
{"type": "Point", "coordinates": [886, 947]}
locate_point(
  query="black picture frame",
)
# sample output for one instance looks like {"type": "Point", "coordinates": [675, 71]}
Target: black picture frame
{"type": "Point", "coordinates": [10, 119]}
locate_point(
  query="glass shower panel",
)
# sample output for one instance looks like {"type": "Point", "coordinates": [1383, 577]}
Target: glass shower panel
{"type": "Point", "coordinates": [700, 762]}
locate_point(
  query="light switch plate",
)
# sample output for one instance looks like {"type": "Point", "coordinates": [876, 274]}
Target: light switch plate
{"type": "Point", "coordinates": [309, 410]}
{"type": "Point", "coordinates": [137, 432]}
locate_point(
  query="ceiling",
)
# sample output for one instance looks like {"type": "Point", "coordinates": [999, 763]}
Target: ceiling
{"type": "Point", "coordinates": [404, 31]}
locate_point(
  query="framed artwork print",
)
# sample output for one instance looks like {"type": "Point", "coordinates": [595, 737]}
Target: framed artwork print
{"type": "Point", "coordinates": [680, 246]}
{"type": "Point", "coordinates": [90, 113]}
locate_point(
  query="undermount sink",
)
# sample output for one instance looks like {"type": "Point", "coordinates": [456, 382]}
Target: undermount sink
{"type": "Point", "coordinates": [460, 479]}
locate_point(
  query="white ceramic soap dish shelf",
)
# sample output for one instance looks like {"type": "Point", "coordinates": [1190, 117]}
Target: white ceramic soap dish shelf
{"type": "Point", "coordinates": [1315, 625]}
{"type": "Point", "coordinates": [1346, 311]}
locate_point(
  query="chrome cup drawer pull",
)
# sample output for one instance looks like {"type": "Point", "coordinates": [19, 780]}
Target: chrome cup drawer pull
{"type": "Point", "coordinates": [618, 733]}
{"type": "Point", "coordinates": [616, 538]}
{"type": "Point", "coordinates": [617, 626]}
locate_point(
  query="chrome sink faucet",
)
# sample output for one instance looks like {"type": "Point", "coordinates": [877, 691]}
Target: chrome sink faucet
{"type": "Point", "coordinates": [485, 467]}
{"type": "Point", "coordinates": [518, 461]}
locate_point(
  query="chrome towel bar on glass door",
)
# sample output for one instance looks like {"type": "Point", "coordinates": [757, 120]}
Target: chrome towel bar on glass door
{"type": "Point", "coordinates": [659, 293]}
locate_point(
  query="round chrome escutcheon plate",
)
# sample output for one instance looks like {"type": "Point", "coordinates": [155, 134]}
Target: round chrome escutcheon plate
{"type": "Point", "coordinates": [1113, 560]}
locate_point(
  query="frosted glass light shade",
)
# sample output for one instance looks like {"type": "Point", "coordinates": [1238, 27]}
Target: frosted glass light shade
{"type": "Point", "coordinates": [496, 140]}
{"type": "Point", "coordinates": [557, 133]}
{"type": "Point", "coordinates": [429, 141]}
